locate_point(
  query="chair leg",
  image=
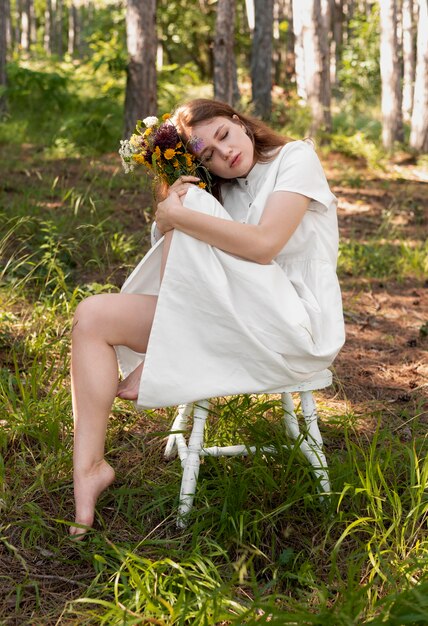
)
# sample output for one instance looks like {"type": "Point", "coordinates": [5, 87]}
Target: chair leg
{"type": "Point", "coordinates": [192, 462]}
{"type": "Point", "coordinates": [312, 445]}
{"type": "Point", "coordinates": [314, 440]}
{"type": "Point", "coordinates": [176, 442]}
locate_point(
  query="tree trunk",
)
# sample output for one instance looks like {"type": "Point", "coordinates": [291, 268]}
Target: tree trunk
{"type": "Point", "coordinates": [325, 47]}
{"type": "Point", "coordinates": [419, 127]}
{"type": "Point", "coordinates": [337, 43]}
{"type": "Point", "coordinates": [73, 29]}
{"type": "Point", "coordinates": [18, 19]}
{"type": "Point", "coordinates": [141, 91]}
{"type": "Point", "coordinates": [25, 25]}
{"type": "Point", "coordinates": [58, 28]}
{"type": "Point", "coordinates": [47, 35]}
{"type": "Point", "coordinates": [261, 58]}
{"type": "Point", "coordinates": [317, 65]}
{"type": "Point", "coordinates": [33, 24]}
{"type": "Point", "coordinates": [408, 59]}
{"type": "Point", "coordinates": [9, 38]}
{"type": "Point", "coordinates": [290, 58]}
{"type": "Point", "coordinates": [3, 54]}
{"type": "Point", "coordinates": [224, 65]}
{"type": "Point", "coordinates": [298, 49]}
{"type": "Point", "coordinates": [392, 121]}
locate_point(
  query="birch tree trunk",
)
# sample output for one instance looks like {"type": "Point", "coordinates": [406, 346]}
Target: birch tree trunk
{"type": "Point", "coordinates": [261, 58]}
{"type": "Point", "coordinates": [408, 59]}
{"type": "Point", "coordinates": [47, 34]}
{"type": "Point", "coordinates": [419, 125]}
{"type": "Point", "coordinates": [25, 25]}
{"type": "Point", "coordinates": [316, 64]}
{"type": "Point", "coordinates": [224, 64]}
{"type": "Point", "coordinates": [298, 49]}
{"type": "Point", "coordinates": [141, 39]}
{"type": "Point", "coordinates": [392, 121]}
{"type": "Point", "coordinates": [3, 54]}
{"type": "Point", "coordinates": [9, 37]}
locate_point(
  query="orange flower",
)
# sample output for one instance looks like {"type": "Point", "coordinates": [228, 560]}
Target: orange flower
{"type": "Point", "coordinates": [169, 154]}
{"type": "Point", "coordinates": [157, 152]}
{"type": "Point", "coordinates": [202, 185]}
{"type": "Point", "coordinates": [166, 116]}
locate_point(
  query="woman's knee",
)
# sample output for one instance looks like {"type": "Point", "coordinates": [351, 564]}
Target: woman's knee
{"type": "Point", "coordinates": [89, 314]}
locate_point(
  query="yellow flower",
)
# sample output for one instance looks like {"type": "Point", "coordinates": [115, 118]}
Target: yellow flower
{"type": "Point", "coordinates": [166, 116]}
{"type": "Point", "coordinates": [139, 158]}
{"type": "Point", "coordinates": [189, 160]}
{"type": "Point", "coordinates": [202, 185]}
{"type": "Point", "coordinates": [147, 132]}
{"type": "Point", "coordinates": [176, 164]}
{"type": "Point", "coordinates": [169, 154]}
{"type": "Point", "coordinates": [157, 152]}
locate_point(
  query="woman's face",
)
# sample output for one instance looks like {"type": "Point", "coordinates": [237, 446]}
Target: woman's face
{"type": "Point", "coordinates": [227, 151]}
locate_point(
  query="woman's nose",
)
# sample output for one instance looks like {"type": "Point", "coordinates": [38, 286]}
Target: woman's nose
{"type": "Point", "coordinates": [225, 153]}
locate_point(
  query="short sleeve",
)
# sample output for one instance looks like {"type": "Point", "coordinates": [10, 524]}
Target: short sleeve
{"type": "Point", "coordinates": [300, 171]}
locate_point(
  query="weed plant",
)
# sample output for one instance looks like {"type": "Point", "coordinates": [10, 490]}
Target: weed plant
{"type": "Point", "coordinates": [261, 547]}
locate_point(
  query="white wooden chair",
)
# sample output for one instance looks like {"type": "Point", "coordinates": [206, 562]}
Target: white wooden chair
{"type": "Point", "coordinates": [191, 451]}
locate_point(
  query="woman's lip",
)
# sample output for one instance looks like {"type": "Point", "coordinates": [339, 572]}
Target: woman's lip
{"type": "Point", "coordinates": [235, 160]}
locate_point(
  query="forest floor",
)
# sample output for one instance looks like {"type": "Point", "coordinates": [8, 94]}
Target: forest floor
{"type": "Point", "coordinates": [381, 373]}
{"type": "Point", "coordinates": [383, 366]}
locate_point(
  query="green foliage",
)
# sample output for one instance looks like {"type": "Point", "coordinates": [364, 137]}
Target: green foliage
{"type": "Point", "coordinates": [359, 74]}
{"type": "Point", "coordinates": [36, 88]}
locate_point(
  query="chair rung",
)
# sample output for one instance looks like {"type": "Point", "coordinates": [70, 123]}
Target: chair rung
{"type": "Point", "coordinates": [239, 450]}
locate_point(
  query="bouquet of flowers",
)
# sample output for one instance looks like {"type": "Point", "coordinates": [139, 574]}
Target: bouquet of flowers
{"type": "Point", "coordinates": [157, 146]}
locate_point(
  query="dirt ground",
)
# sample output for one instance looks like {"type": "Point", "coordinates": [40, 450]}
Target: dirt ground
{"type": "Point", "coordinates": [383, 366]}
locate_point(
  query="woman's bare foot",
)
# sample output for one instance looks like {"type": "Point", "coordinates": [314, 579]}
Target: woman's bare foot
{"type": "Point", "coordinates": [87, 487]}
{"type": "Point", "coordinates": [129, 386]}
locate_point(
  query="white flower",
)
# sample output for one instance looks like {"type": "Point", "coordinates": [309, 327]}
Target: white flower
{"type": "Point", "coordinates": [126, 151]}
{"type": "Point", "coordinates": [152, 120]}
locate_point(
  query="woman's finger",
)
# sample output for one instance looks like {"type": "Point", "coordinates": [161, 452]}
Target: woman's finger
{"type": "Point", "coordinates": [184, 179]}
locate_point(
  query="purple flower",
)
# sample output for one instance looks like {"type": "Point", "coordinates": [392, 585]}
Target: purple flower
{"type": "Point", "coordinates": [196, 144]}
{"type": "Point", "coordinates": [166, 137]}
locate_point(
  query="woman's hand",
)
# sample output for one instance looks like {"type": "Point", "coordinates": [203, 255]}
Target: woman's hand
{"type": "Point", "coordinates": [172, 203]}
{"type": "Point", "coordinates": [182, 185]}
{"type": "Point", "coordinates": [166, 210]}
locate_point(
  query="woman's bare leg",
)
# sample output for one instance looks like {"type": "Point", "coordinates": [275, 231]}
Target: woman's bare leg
{"type": "Point", "coordinates": [129, 386]}
{"type": "Point", "coordinates": [101, 322]}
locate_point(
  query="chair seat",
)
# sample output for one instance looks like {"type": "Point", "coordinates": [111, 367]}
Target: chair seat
{"type": "Point", "coordinates": [192, 450]}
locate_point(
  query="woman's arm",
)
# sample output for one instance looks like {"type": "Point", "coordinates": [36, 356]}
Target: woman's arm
{"type": "Point", "coordinates": [260, 242]}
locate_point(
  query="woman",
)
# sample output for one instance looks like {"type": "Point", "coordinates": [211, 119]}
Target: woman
{"type": "Point", "coordinates": [238, 296]}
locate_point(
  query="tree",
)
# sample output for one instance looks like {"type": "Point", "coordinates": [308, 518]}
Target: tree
{"type": "Point", "coordinates": [73, 28]}
{"type": "Point", "coordinates": [48, 27]}
{"type": "Point", "coordinates": [408, 58]}
{"type": "Point", "coordinates": [312, 37]}
{"type": "Point", "coordinates": [3, 53]}
{"type": "Point", "coordinates": [392, 119]}
{"type": "Point", "coordinates": [224, 58]}
{"type": "Point", "coordinates": [141, 89]}
{"type": "Point", "coordinates": [261, 58]}
{"type": "Point", "coordinates": [419, 125]}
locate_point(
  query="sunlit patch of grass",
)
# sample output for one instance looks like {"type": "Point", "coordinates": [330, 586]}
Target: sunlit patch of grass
{"type": "Point", "coordinates": [384, 259]}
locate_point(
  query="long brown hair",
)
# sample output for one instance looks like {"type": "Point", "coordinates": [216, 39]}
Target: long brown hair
{"type": "Point", "coordinates": [264, 139]}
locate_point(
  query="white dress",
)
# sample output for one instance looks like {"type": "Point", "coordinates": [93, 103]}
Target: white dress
{"type": "Point", "coordinates": [224, 325]}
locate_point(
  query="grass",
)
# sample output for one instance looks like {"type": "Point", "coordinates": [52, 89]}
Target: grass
{"type": "Point", "coordinates": [261, 548]}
